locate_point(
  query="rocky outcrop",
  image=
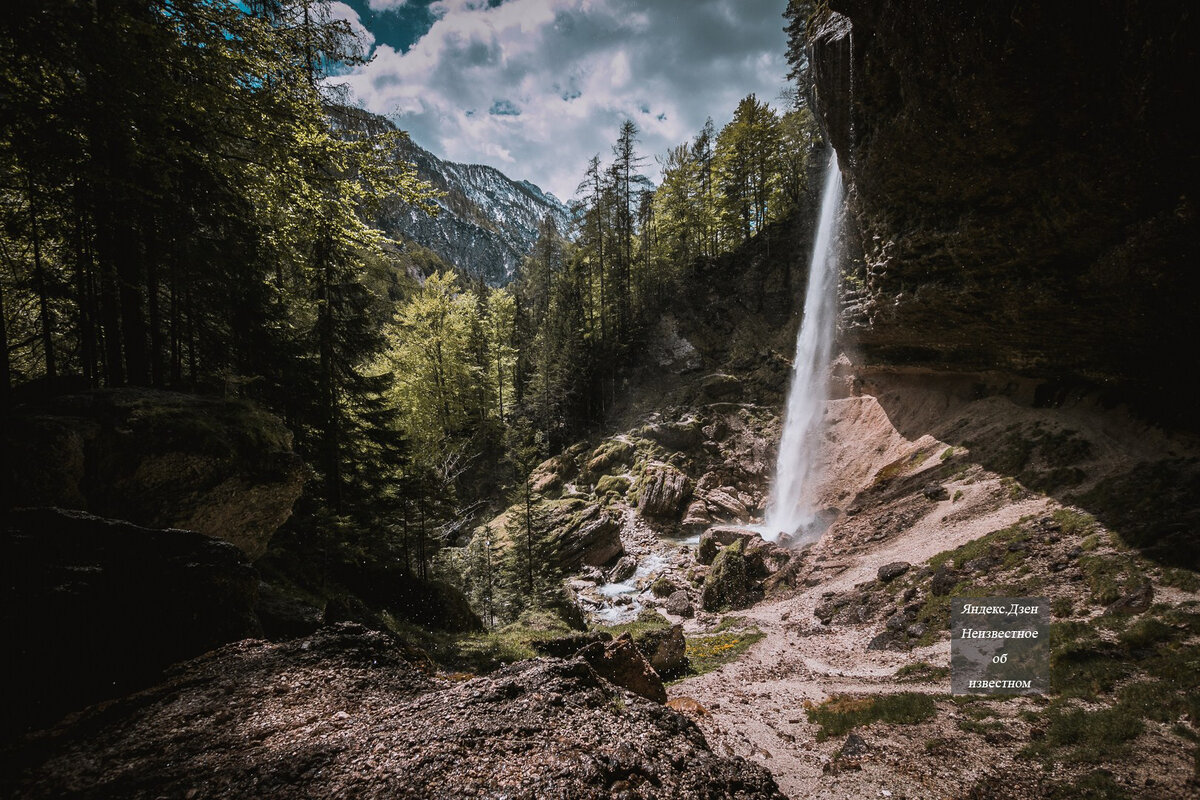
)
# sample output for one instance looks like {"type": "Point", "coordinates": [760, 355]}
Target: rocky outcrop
{"type": "Point", "coordinates": [161, 459]}
{"type": "Point", "coordinates": [586, 535]}
{"type": "Point", "coordinates": [727, 585]}
{"type": "Point", "coordinates": [621, 662]}
{"type": "Point", "coordinates": [665, 649]}
{"type": "Point", "coordinates": [663, 492]}
{"type": "Point", "coordinates": [1024, 185]}
{"type": "Point", "coordinates": [344, 714]}
{"type": "Point", "coordinates": [93, 607]}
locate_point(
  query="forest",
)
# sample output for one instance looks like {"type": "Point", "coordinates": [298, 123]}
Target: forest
{"type": "Point", "coordinates": [690, 504]}
{"type": "Point", "coordinates": [204, 223]}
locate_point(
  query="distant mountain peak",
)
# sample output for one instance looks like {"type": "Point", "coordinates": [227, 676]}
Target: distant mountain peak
{"type": "Point", "coordinates": [488, 222]}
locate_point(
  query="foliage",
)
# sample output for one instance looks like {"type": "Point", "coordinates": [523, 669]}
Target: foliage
{"type": "Point", "coordinates": [841, 714]}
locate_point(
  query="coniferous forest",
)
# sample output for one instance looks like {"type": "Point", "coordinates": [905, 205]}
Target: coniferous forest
{"type": "Point", "coordinates": [306, 508]}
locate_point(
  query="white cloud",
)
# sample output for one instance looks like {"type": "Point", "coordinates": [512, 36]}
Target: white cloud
{"type": "Point", "coordinates": [379, 6]}
{"type": "Point", "coordinates": [341, 11]}
{"type": "Point", "coordinates": [536, 87]}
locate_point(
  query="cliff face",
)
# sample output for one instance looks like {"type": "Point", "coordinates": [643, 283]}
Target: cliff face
{"type": "Point", "coordinates": [1023, 181]}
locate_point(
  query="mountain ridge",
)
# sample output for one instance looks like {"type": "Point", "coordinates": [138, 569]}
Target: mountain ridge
{"type": "Point", "coordinates": [487, 221]}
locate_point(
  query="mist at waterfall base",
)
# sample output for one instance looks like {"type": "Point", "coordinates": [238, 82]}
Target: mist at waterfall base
{"type": "Point", "coordinates": [791, 512]}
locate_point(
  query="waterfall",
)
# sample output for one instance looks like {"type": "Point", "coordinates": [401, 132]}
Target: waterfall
{"type": "Point", "coordinates": [790, 510]}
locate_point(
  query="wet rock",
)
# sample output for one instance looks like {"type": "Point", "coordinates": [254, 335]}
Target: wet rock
{"type": "Point", "coordinates": [96, 607]}
{"type": "Point", "coordinates": [663, 491]}
{"type": "Point", "coordinates": [160, 459]}
{"type": "Point", "coordinates": [680, 604]}
{"type": "Point", "coordinates": [665, 649]}
{"type": "Point", "coordinates": [724, 503]}
{"type": "Point", "coordinates": [727, 584]}
{"type": "Point", "coordinates": [721, 387]}
{"type": "Point", "coordinates": [624, 569]}
{"type": "Point", "coordinates": [620, 662]}
{"type": "Point", "coordinates": [889, 572]}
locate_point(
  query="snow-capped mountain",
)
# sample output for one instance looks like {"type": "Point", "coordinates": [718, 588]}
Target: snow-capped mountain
{"type": "Point", "coordinates": [488, 222]}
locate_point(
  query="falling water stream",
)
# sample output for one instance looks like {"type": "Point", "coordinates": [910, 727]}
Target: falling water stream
{"type": "Point", "coordinates": [791, 510]}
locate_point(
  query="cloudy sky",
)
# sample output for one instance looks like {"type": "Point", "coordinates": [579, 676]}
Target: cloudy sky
{"type": "Point", "coordinates": [537, 87]}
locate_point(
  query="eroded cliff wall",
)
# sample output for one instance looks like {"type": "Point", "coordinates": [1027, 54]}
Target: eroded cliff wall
{"type": "Point", "coordinates": [1023, 180]}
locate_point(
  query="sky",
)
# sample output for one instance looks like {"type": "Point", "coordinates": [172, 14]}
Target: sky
{"type": "Point", "coordinates": [535, 88]}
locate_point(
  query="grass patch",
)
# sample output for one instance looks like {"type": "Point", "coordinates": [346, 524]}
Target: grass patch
{"type": "Point", "coordinates": [1180, 578]}
{"type": "Point", "coordinates": [841, 714]}
{"type": "Point", "coordinates": [1087, 736]}
{"type": "Point", "coordinates": [899, 467]}
{"type": "Point", "coordinates": [1107, 577]}
{"type": "Point", "coordinates": [1097, 785]}
{"type": "Point", "coordinates": [1074, 522]}
{"type": "Point", "coordinates": [707, 653]}
{"type": "Point", "coordinates": [647, 620]}
{"type": "Point", "coordinates": [921, 672]}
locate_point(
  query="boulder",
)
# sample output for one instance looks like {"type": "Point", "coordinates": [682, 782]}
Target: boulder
{"type": "Point", "coordinates": [944, 579]}
{"type": "Point", "coordinates": [727, 585]}
{"type": "Point", "coordinates": [621, 663]}
{"type": "Point", "coordinates": [889, 572]}
{"type": "Point", "coordinates": [663, 491]}
{"type": "Point", "coordinates": [612, 484]}
{"type": "Point", "coordinates": [680, 604]}
{"type": "Point", "coordinates": [720, 387]}
{"type": "Point", "coordinates": [696, 515]}
{"type": "Point", "coordinates": [623, 570]}
{"type": "Point", "coordinates": [665, 649]}
{"type": "Point", "coordinates": [95, 608]}
{"type": "Point", "coordinates": [724, 503]}
{"type": "Point", "coordinates": [681, 436]}
{"type": "Point", "coordinates": [608, 455]}
{"type": "Point", "coordinates": [585, 536]}
{"type": "Point", "coordinates": [936, 492]}
{"type": "Point", "coordinates": [160, 459]}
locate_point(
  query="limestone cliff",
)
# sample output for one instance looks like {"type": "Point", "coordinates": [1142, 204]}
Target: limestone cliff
{"type": "Point", "coordinates": [1023, 183]}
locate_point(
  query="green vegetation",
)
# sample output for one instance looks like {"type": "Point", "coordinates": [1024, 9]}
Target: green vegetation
{"type": "Point", "coordinates": [841, 714]}
{"type": "Point", "coordinates": [706, 653]}
{"type": "Point", "coordinates": [1087, 736]}
{"type": "Point", "coordinates": [921, 672]}
{"type": "Point", "coordinates": [1097, 785]}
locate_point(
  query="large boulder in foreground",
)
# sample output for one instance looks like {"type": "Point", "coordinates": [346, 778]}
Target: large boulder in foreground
{"type": "Point", "coordinates": [341, 714]}
{"type": "Point", "coordinates": [93, 608]}
{"type": "Point", "coordinates": [160, 459]}
{"type": "Point", "coordinates": [727, 585]}
{"type": "Point", "coordinates": [622, 663]}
